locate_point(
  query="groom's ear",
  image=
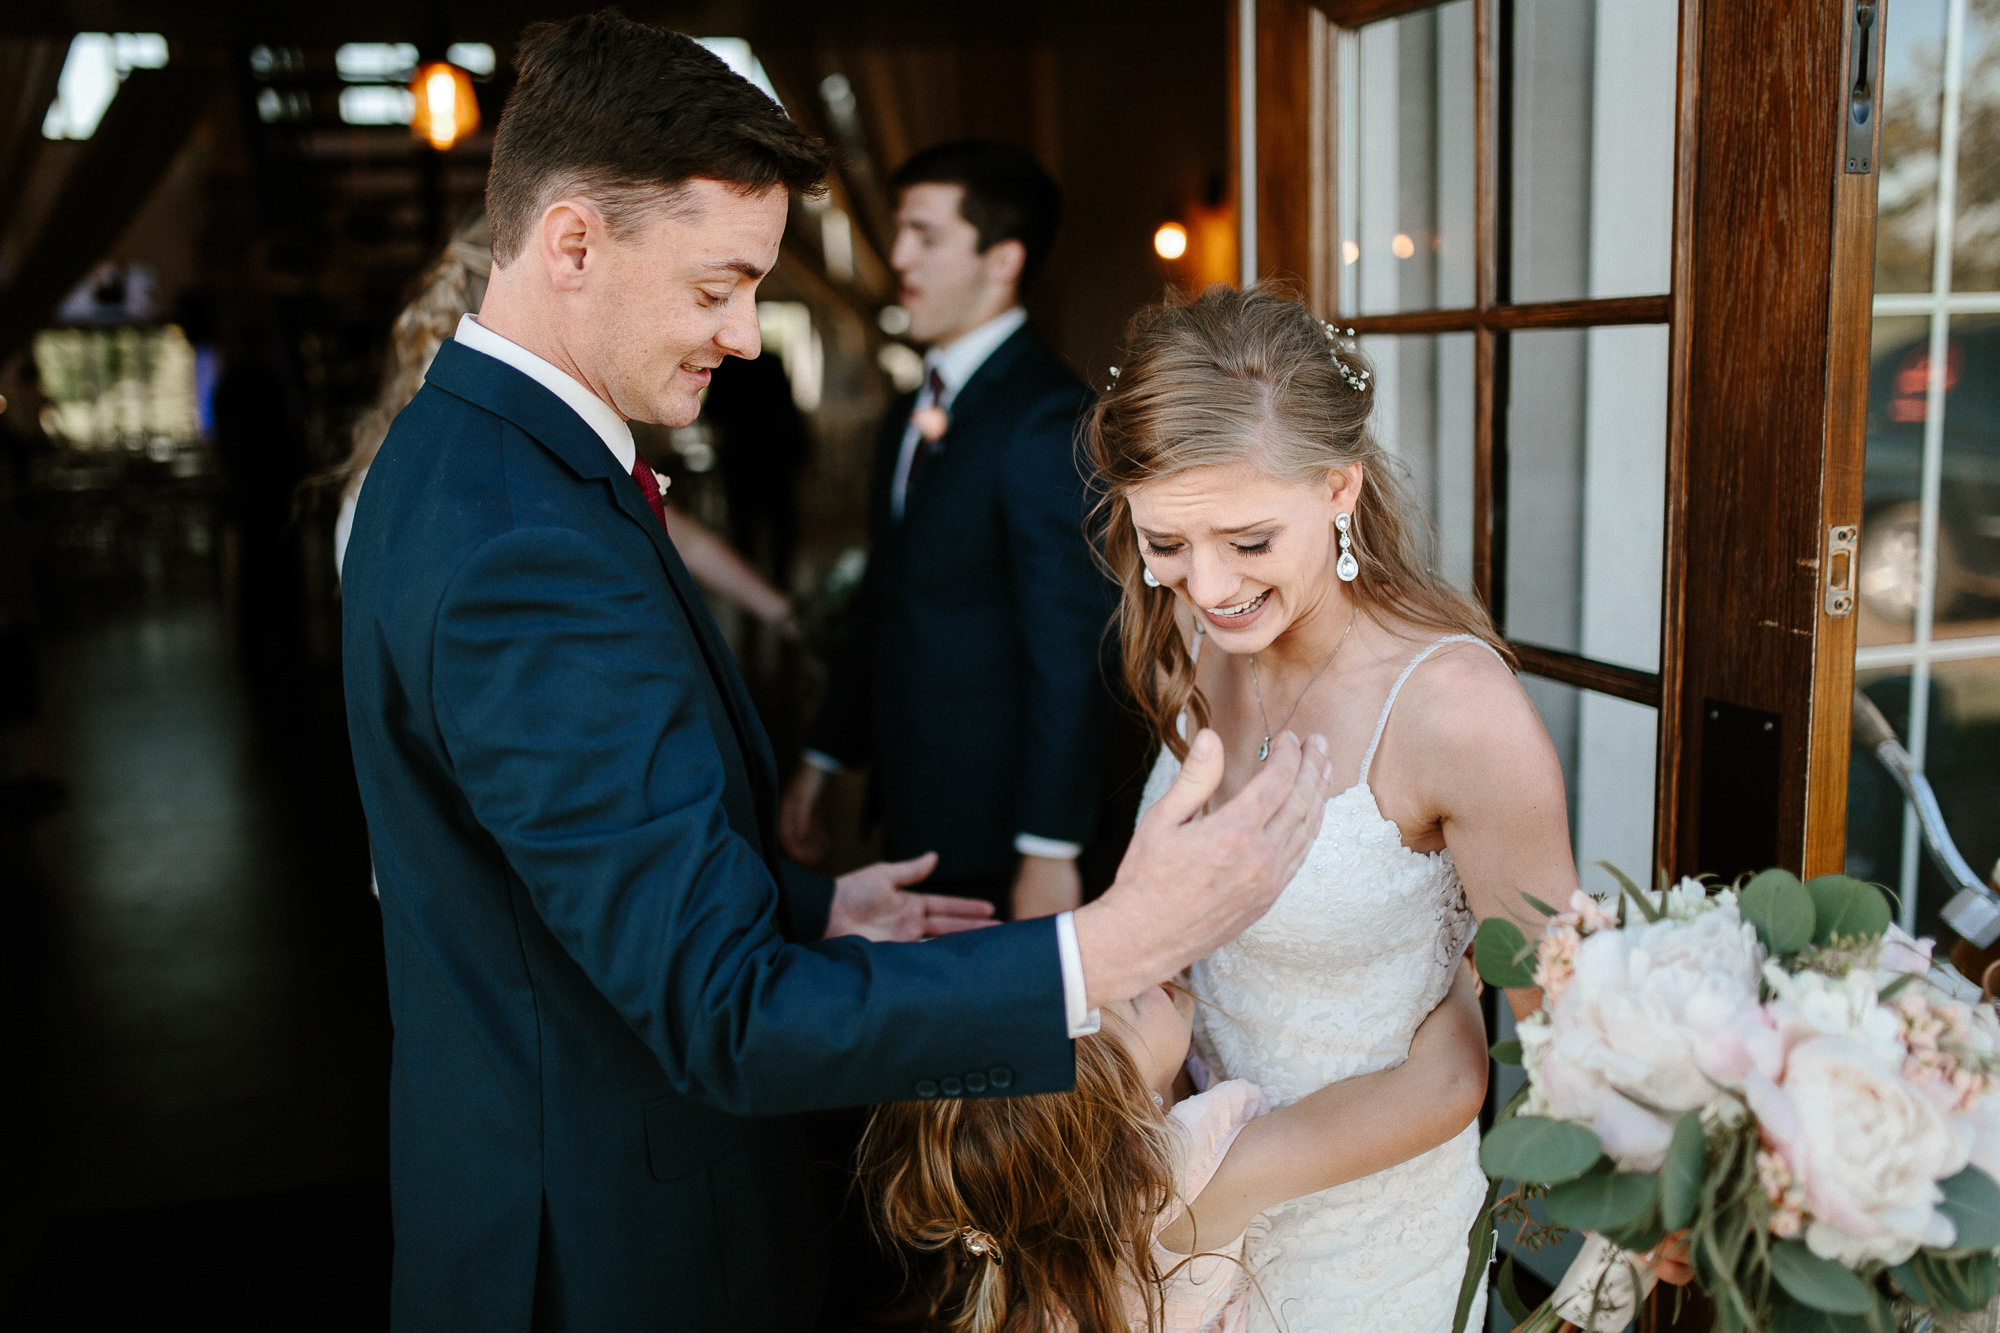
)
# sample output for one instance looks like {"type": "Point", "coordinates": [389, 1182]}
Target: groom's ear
{"type": "Point", "coordinates": [570, 230]}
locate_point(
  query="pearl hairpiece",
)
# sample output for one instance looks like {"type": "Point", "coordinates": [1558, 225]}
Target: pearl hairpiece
{"type": "Point", "coordinates": [1357, 380]}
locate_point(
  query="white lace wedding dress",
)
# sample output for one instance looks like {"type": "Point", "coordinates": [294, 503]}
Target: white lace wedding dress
{"type": "Point", "coordinates": [1330, 983]}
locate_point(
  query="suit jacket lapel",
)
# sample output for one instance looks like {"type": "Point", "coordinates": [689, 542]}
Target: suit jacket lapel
{"type": "Point", "coordinates": [500, 388]}
{"type": "Point", "coordinates": [976, 400]}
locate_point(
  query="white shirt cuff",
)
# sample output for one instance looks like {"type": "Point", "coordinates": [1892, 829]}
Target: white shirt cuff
{"type": "Point", "coordinates": [1027, 844]}
{"type": "Point", "coordinates": [825, 763]}
{"type": "Point", "coordinates": [1083, 1020]}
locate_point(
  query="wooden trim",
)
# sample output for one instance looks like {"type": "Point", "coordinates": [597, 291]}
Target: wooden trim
{"type": "Point", "coordinates": [1668, 784]}
{"type": "Point", "coordinates": [1287, 139]}
{"type": "Point", "coordinates": [1587, 673]}
{"type": "Point", "coordinates": [1755, 430]}
{"type": "Point", "coordinates": [1354, 13]}
{"type": "Point", "coordinates": [1536, 315]}
{"type": "Point", "coordinates": [1486, 403]}
{"type": "Point", "coordinates": [1844, 450]}
{"type": "Point", "coordinates": [1322, 86]}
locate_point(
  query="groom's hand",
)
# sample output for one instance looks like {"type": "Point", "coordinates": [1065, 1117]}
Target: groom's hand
{"type": "Point", "coordinates": [872, 903]}
{"type": "Point", "coordinates": [1191, 882]}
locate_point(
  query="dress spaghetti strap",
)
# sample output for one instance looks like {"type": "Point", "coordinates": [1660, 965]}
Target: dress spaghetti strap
{"type": "Point", "coordinates": [1389, 703]}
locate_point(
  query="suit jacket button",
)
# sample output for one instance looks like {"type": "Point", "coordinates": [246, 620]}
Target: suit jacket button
{"type": "Point", "coordinates": [1001, 1077]}
{"type": "Point", "coordinates": [950, 1087]}
{"type": "Point", "coordinates": [927, 1087]}
{"type": "Point", "coordinates": [975, 1082]}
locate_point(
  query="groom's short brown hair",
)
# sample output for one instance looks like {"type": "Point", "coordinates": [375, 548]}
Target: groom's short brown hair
{"type": "Point", "coordinates": [624, 114]}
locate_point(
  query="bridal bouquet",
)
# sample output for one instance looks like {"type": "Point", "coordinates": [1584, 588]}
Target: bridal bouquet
{"type": "Point", "coordinates": [1773, 1070]}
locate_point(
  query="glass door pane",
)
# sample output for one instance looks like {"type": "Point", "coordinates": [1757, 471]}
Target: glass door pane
{"type": "Point", "coordinates": [1408, 141]}
{"type": "Point", "coordinates": [1423, 416]}
{"type": "Point", "coordinates": [1592, 148]}
{"type": "Point", "coordinates": [1586, 491]}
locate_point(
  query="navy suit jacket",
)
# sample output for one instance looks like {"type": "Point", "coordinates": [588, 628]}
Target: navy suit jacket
{"type": "Point", "coordinates": [609, 995]}
{"type": "Point", "coordinates": [972, 679]}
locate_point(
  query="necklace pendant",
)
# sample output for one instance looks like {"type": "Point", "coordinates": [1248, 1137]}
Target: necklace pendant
{"type": "Point", "coordinates": [1264, 750]}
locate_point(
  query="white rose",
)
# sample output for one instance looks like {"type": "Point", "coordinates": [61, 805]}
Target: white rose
{"type": "Point", "coordinates": [1867, 1146]}
{"type": "Point", "coordinates": [1633, 1040]}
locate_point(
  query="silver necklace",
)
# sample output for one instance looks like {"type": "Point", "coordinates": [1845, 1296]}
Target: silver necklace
{"type": "Point", "coordinates": [1264, 750]}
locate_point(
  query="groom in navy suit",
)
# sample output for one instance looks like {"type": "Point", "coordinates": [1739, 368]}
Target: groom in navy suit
{"type": "Point", "coordinates": [609, 992]}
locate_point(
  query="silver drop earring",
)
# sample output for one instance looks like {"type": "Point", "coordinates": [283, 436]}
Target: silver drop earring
{"type": "Point", "coordinates": [1347, 567]}
{"type": "Point", "coordinates": [1147, 577]}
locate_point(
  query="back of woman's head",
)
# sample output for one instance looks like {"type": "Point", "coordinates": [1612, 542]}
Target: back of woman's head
{"type": "Point", "coordinates": [1043, 1205]}
{"type": "Point", "coordinates": [1251, 377]}
{"type": "Point", "coordinates": [450, 288]}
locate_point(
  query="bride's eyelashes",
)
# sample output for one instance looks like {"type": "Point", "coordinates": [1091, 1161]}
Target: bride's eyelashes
{"type": "Point", "coordinates": [1260, 547]}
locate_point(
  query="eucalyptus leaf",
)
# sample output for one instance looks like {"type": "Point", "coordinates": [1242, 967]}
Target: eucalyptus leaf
{"type": "Point", "coordinates": [1972, 1202]}
{"type": "Point", "coordinates": [1539, 1151]}
{"type": "Point", "coordinates": [1506, 1052]}
{"type": "Point", "coordinates": [1536, 903]}
{"type": "Point", "coordinates": [1781, 910]}
{"type": "Point", "coordinates": [1819, 1283]}
{"type": "Point", "coordinates": [1681, 1176]}
{"type": "Point", "coordinates": [1847, 907]}
{"type": "Point", "coordinates": [1502, 954]}
{"type": "Point", "coordinates": [1789, 1317]}
{"type": "Point", "coordinates": [1966, 1283]}
{"type": "Point", "coordinates": [1630, 890]}
{"type": "Point", "coordinates": [1603, 1200]}
{"type": "Point", "coordinates": [1478, 1256]}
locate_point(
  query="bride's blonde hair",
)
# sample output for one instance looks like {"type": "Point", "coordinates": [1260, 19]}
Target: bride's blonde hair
{"type": "Point", "coordinates": [1250, 376]}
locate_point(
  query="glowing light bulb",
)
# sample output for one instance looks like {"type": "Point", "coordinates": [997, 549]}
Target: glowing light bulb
{"type": "Point", "coordinates": [441, 91]}
{"type": "Point", "coordinates": [1349, 252]}
{"type": "Point", "coordinates": [446, 109]}
{"type": "Point", "coordinates": [1170, 241]}
{"type": "Point", "coordinates": [1402, 246]}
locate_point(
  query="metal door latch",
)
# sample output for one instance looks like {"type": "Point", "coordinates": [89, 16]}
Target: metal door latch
{"type": "Point", "coordinates": [1841, 539]}
{"type": "Point", "coordinates": [1861, 89]}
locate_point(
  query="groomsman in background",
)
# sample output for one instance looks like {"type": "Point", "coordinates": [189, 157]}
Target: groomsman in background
{"type": "Point", "coordinates": [971, 679]}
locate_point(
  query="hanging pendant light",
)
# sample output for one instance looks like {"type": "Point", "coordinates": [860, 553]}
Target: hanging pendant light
{"type": "Point", "coordinates": [446, 109]}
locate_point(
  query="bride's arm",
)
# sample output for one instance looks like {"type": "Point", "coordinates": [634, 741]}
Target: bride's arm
{"type": "Point", "coordinates": [1466, 753]}
{"type": "Point", "coordinates": [1349, 1129]}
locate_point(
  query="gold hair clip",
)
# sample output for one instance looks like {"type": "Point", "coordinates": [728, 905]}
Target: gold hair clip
{"type": "Point", "coordinates": [978, 1244]}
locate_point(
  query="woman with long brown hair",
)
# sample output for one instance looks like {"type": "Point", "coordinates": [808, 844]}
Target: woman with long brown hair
{"type": "Point", "coordinates": [1275, 575]}
{"type": "Point", "coordinates": [1119, 1205]}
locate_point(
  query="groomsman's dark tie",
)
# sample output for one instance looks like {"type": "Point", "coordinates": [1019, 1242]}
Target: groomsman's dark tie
{"type": "Point", "coordinates": [927, 450]}
{"type": "Point", "coordinates": [649, 485]}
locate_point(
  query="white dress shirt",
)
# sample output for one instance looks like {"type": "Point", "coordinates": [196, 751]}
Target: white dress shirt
{"type": "Point", "coordinates": [955, 363]}
{"type": "Point", "coordinates": [1080, 1019]}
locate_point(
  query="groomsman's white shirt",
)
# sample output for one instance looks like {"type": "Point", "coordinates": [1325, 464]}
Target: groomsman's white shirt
{"type": "Point", "coordinates": [617, 436]}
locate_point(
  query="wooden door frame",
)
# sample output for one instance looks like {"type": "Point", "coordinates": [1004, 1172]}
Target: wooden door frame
{"type": "Point", "coordinates": [1766, 433]}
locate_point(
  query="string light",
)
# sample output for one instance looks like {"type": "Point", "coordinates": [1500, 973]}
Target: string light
{"type": "Point", "coordinates": [1170, 241]}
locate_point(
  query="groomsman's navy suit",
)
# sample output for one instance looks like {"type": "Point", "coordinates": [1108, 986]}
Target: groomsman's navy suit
{"type": "Point", "coordinates": [973, 675]}
{"type": "Point", "coordinates": [608, 993]}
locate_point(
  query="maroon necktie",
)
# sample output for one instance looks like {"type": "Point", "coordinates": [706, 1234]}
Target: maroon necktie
{"type": "Point", "coordinates": [649, 486]}
{"type": "Point", "coordinates": [927, 450]}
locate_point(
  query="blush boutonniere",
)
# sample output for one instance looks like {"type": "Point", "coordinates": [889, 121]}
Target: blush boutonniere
{"type": "Point", "coordinates": [931, 422]}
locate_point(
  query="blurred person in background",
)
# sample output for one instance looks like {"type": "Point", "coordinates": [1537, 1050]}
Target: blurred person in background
{"type": "Point", "coordinates": [762, 449]}
{"type": "Point", "coordinates": [260, 442]}
{"type": "Point", "coordinates": [970, 681]}
{"type": "Point", "coordinates": [452, 287]}
{"type": "Point", "coordinates": [24, 792]}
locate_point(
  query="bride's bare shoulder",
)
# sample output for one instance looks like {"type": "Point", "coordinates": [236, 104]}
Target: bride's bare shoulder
{"type": "Point", "coordinates": [1464, 694]}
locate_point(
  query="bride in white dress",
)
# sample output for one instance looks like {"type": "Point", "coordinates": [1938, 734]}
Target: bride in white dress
{"type": "Point", "coordinates": [1274, 579]}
